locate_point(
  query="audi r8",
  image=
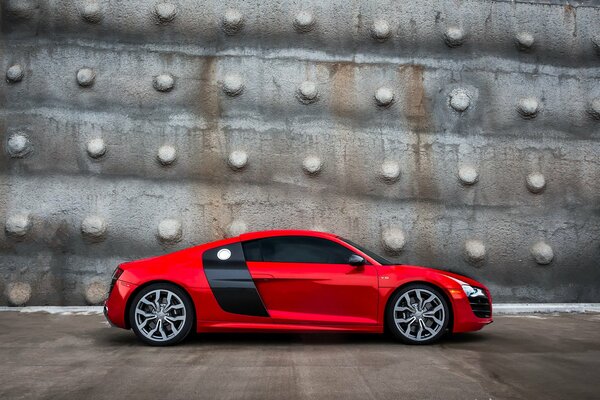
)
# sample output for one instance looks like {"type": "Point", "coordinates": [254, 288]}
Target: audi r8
{"type": "Point", "coordinates": [290, 281]}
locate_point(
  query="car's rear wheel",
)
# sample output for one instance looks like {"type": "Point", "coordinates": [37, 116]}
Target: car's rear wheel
{"type": "Point", "coordinates": [418, 314]}
{"type": "Point", "coordinates": [161, 314]}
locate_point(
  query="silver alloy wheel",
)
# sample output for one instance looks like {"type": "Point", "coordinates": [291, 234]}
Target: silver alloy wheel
{"type": "Point", "coordinates": [419, 314]}
{"type": "Point", "coordinates": [160, 315]}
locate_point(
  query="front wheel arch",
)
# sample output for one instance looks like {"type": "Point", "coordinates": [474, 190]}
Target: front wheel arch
{"type": "Point", "coordinates": [425, 283]}
{"type": "Point", "coordinates": [146, 284]}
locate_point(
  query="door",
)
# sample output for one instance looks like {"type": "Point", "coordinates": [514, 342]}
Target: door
{"type": "Point", "coordinates": [305, 279]}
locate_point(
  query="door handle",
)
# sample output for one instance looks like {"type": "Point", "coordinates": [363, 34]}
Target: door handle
{"type": "Point", "coordinates": [262, 277]}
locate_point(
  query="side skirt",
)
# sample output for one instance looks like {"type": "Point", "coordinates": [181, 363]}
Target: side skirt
{"type": "Point", "coordinates": [215, 326]}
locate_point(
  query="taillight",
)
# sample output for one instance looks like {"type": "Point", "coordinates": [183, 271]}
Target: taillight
{"type": "Point", "coordinates": [115, 278]}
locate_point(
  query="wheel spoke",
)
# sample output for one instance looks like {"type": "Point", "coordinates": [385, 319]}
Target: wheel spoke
{"type": "Point", "coordinates": [418, 293]}
{"type": "Point", "coordinates": [144, 313]}
{"type": "Point", "coordinates": [406, 298]}
{"type": "Point", "coordinates": [182, 318]}
{"type": "Point", "coordinates": [156, 302]}
{"type": "Point", "coordinates": [438, 308]}
{"type": "Point", "coordinates": [434, 319]}
{"type": "Point", "coordinates": [430, 298]}
{"type": "Point", "coordinates": [428, 329]}
{"type": "Point", "coordinates": [153, 331]}
{"type": "Point", "coordinates": [174, 307]}
{"type": "Point", "coordinates": [148, 302]}
{"type": "Point", "coordinates": [162, 331]}
{"type": "Point", "coordinates": [143, 325]}
{"type": "Point", "coordinates": [420, 332]}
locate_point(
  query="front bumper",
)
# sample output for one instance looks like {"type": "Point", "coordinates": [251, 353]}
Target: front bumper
{"type": "Point", "coordinates": [465, 318]}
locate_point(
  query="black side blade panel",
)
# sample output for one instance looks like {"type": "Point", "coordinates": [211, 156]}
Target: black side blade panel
{"type": "Point", "coordinates": [231, 283]}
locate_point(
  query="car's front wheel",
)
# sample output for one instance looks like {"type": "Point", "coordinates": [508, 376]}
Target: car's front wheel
{"type": "Point", "coordinates": [161, 314]}
{"type": "Point", "coordinates": [418, 314]}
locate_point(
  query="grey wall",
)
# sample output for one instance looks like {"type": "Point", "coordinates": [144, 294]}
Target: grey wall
{"type": "Point", "coordinates": [486, 160]}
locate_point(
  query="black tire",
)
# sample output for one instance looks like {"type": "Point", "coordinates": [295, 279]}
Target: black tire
{"type": "Point", "coordinates": [179, 297]}
{"type": "Point", "coordinates": [403, 315]}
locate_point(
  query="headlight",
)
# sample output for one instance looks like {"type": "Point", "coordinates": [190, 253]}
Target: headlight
{"type": "Point", "coordinates": [471, 291]}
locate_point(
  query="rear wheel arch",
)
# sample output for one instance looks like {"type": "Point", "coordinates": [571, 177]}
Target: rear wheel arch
{"type": "Point", "coordinates": [146, 284]}
{"type": "Point", "coordinates": [425, 283]}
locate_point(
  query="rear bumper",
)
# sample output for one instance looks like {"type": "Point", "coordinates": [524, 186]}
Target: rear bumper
{"type": "Point", "coordinates": [106, 315]}
{"type": "Point", "coordinates": [116, 305]}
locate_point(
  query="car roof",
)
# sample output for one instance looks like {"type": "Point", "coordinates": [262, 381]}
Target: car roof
{"type": "Point", "coordinates": [285, 232]}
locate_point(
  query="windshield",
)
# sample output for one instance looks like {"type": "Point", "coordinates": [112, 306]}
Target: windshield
{"type": "Point", "coordinates": [374, 256]}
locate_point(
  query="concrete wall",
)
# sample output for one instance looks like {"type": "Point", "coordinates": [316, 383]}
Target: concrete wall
{"type": "Point", "coordinates": [456, 134]}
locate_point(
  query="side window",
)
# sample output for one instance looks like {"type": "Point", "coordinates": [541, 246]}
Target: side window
{"type": "Point", "coordinates": [252, 250]}
{"type": "Point", "coordinates": [296, 249]}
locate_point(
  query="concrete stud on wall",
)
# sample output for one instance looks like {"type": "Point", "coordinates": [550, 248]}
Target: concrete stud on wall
{"type": "Point", "coordinates": [163, 82]}
{"type": "Point", "coordinates": [390, 171]}
{"type": "Point", "coordinates": [393, 240]}
{"type": "Point", "coordinates": [18, 293]}
{"type": "Point", "coordinates": [542, 253]}
{"type": "Point", "coordinates": [468, 175]}
{"type": "Point", "coordinates": [474, 251]}
{"type": "Point", "coordinates": [596, 43]}
{"type": "Point", "coordinates": [166, 155]}
{"type": "Point", "coordinates": [312, 165]}
{"type": "Point", "coordinates": [304, 22]}
{"type": "Point", "coordinates": [460, 99]}
{"type": "Point", "coordinates": [86, 77]}
{"type": "Point", "coordinates": [18, 145]}
{"type": "Point", "coordinates": [524, 41]}
{"type": "Point", "coordinates": [96, 148]}
{"type": "Point", "coordinates": [95, 292]}
{"type": "Point", "coordinates": [380, 30]}
{"type": "Point", "coordinates": [236, 228]}
{"type": "Point", "coordinates": [169, 230]}
{"type": "Point", "coordinates": [165, 12]}
{"type": "Point", "coordinates": [528, 107]}
{"type": "Point", "coordinates": [536, 183]}
{"type": "Point", "coordinates": [233, 21]}
{"type": "Point", "coordinates": [233, 85]}
{"type": "Point", "coordinates": [384, 97]}
{"type": "Point", "coordinates": [14, 73]}
{"type": "Point", "coordinates": [93, 227]}
{"type": "Point", "coordinates": [454, 36]}
{"type": "Point", "coordinates": [307, 92]}
{"type": "Point", "coordinates": [594, 108]}
{"type": "Point", "coordinates": [18, 224]}
{"type": "Point", "coordinates": [91, 12]}
{"type": "Point", "coordinates": [21, 9]}
{"type": "Point", "coordinates": [237, 159]}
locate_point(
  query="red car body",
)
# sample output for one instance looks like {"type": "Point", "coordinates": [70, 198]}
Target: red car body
{"type": "Point", "coordinates": [299, 297]}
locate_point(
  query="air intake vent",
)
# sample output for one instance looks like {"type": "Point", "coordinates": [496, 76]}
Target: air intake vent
{"type": "Point", "coordinates": [481, 307]}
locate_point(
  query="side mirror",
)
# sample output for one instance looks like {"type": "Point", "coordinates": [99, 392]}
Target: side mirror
{"type": "Point", "coordinates": [356, 261]}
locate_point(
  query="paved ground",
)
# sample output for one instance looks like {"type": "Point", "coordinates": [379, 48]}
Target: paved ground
{"type": "Point", "coordinates": [80, 357]}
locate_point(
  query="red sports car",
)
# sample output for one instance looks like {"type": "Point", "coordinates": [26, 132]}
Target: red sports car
{"type": "Point", "coordinates": [300, 281]}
